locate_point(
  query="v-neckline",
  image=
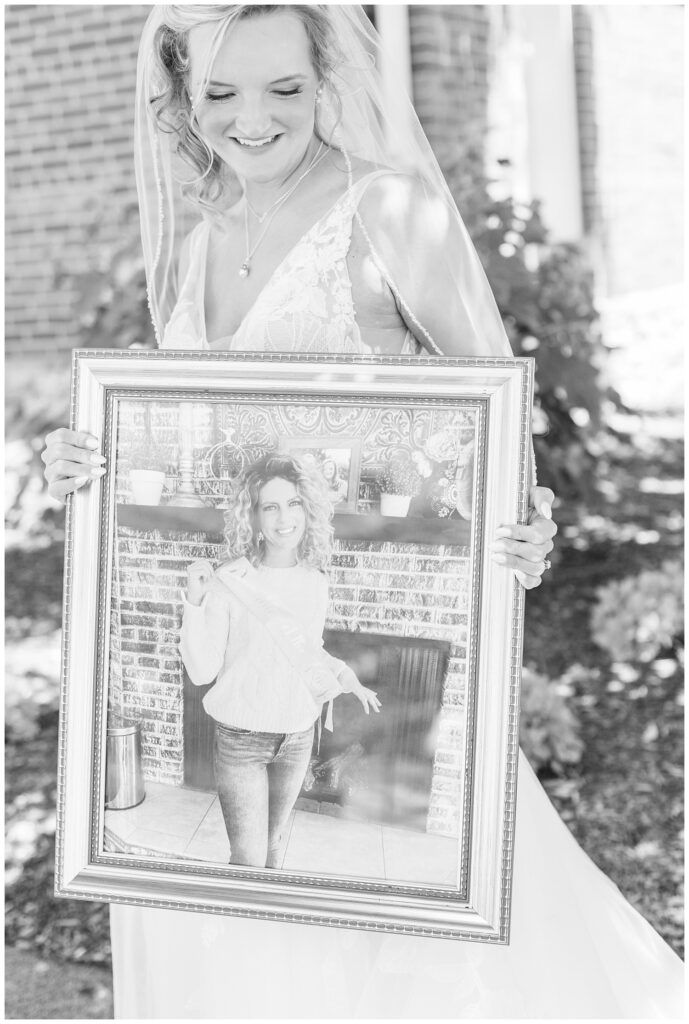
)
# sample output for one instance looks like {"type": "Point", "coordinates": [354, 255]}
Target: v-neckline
{"type": "Point", "coordinates": [300, 241]}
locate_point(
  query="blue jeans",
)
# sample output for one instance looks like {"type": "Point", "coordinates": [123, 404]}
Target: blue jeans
{"type": "Point", "coordinates": [258, 776]}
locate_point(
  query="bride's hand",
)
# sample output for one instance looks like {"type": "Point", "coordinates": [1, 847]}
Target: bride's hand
{"type": "Point", "coordinates": [70, 461]}
{"type": "Point", "coordinates": [524, 549]}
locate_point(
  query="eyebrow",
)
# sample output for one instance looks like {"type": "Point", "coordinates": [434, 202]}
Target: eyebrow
{"type": "Point", "coordinates": [277, 81]}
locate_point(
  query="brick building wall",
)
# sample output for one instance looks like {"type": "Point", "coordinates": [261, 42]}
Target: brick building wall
{"type": "Point", "coordinates": [70, 75]}
{"type": "Point", "coordinates": [70, 83]}
{"type": "Point", "coordinates": [450, 68]}
{"type": "Point", "coordinates": [582, 33]}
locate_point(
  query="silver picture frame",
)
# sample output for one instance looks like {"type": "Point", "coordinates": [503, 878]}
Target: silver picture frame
{"type": "Point", "coordinates": [213, 412]}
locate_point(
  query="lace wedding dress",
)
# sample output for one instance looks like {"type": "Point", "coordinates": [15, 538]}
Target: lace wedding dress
{"type": "Point", "coordinates": [577, 949]}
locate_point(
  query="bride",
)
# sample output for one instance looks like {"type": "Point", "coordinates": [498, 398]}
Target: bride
{"type": "Point", "coordinates": [326, 226]}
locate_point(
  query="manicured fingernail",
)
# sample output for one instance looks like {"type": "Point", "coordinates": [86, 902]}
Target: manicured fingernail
{"type": "Point", "coordinates": [90, 442]}
{"type": "Point", "coordinates": [503, 531]}
{"type": "Point", "coordinates": [500, 559]}
{"type": "Point", "coordinates": [498, 545]}
{"type": "Point", "coordinates": [100, 471]}
{"type": "Point", "coordinates": [80, 481]}
{"type": "Point", "coordinates": [545, 510]}
{"type": "Point", "coordinates": [97, 460]}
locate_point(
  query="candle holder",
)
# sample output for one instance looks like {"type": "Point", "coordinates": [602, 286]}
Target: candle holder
{"type": "Point", "coordinates": [186, 496]}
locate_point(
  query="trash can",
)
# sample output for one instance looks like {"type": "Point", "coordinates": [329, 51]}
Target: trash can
{"type": "Point", "coordinates": [124, 781]}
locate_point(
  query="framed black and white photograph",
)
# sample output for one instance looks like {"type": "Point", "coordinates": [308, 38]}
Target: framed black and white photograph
{"type": "Point", "coordinates": [394, 666]}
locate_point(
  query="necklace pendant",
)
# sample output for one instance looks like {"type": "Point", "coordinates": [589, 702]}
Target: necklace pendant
{"type": "Point", "coordinates": [244, 270]}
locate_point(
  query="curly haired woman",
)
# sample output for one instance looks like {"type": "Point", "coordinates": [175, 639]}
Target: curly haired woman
{"type": "Point", "coordinates": [257, 625]}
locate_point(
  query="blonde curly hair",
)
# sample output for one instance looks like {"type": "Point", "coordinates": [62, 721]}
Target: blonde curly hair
{"type": "Point", "coordinates": [172, 107]}
{"type": "Point", "coordinates": [241, 534]}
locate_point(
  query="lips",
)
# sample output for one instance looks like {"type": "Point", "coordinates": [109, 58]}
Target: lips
{"type": "Point", "coordinates": [247, 143]}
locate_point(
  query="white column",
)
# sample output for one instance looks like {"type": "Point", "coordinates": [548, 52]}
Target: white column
{"type": "Point", "coordinates": [553, 137]}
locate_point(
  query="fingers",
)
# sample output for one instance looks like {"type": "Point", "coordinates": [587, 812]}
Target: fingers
{"type": "Point", "coordinates": [61, 488]}
{"type": "Point", "coordinates": [61, 452]}
{"type": "Point", "coordinates": [368, 700]}
{"type": "Point", "coordinates": [65, 477]}
{"type": "Point", "coordinates": [62, 440]}
{"type": "Point", "coordinates": [542, 498]}
{"type": "Point", "coordinates": [528, 582]}
{"type": "Point", "coordinates": [520, 549]}
{"type": "Point", "coordinates": [537, 532]}
{"type": "Point", "coordinates": [532, 567]}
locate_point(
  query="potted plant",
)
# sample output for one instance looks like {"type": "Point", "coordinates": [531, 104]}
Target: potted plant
{"type": "Point", "coordinates": [399, 482]}
{"type": "Point", "coordinates": [147, 467]}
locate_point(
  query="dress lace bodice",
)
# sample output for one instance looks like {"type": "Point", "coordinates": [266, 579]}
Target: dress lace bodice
{"type": "Point", "coordinates": [306, 305]}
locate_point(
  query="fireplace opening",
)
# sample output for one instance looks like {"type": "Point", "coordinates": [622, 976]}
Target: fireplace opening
{"type": "Point", "coordinates": [373, 768]}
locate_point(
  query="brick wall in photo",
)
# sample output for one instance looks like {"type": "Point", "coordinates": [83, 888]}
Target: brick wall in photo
{"type": "Point", "coordinates": [394, 589]}
{"type": "Point", "coordinates": [397, 589]}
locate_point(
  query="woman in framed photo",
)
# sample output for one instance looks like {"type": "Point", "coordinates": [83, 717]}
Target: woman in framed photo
{"type": "Point", "coordinates": [254, 628]}
{"type": "Point", "coordinates": [325, 225]}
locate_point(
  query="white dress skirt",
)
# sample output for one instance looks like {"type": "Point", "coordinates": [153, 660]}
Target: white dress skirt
{"type": "Point", "coordinates": [577, 950]}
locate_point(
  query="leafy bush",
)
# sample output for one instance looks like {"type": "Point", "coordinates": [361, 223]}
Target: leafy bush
{"type": "Point", "coordinates": [35, 403]}
{"type": "Point", "coordinates": [112, 303]}
{"type": "Point", "coordinates": [545, 296]}
{"type": "Point", "coordinates": [636, 618]}
{"type": "Point", "coordinates": [548, 729]}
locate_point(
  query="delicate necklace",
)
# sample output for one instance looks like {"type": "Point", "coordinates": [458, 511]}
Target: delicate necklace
{"type": "Point", "coordinates": [260, 217]}
{"type": "Point", "coordinates": [272, 210]}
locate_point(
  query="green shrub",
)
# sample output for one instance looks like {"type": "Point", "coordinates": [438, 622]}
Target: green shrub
{"type": "Point", "coordinates": [548, 728]}
{"type": "Point", "coordinates": [545, 295]}
{"type": "Point", "coordinates": [112, 304]}
{"type": "Point", "coordinates": [36, 402]}
{"type": "Point", "coordinates": [636, 618]}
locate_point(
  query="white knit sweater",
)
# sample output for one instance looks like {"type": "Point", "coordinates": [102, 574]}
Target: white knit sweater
{"type": "Point", "coordinates": [256, 687]}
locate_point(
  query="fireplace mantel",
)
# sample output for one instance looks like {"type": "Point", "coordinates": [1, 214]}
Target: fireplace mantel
{"type": "Point", "coordinates": [165, 519]}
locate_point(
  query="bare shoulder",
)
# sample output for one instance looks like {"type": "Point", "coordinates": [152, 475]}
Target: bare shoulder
{"type": "Point", "coordinates": [393, 196]}
{"type": "Point", "coordinates": [402, 214]}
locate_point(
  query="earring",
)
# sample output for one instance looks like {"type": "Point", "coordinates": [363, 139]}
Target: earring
{"type": "Point", "coordinates": [259, 537]}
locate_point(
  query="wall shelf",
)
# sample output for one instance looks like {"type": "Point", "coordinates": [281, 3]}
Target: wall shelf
{"type": "Point", "coordinates": [348, 526]}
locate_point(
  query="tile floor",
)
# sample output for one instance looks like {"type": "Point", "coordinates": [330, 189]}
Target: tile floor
{"type": "Point", "coordinates": [184, 822]}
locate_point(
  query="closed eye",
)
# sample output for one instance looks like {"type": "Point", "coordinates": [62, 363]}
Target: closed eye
{"type": "Point", "coordinates": [219, 97]}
